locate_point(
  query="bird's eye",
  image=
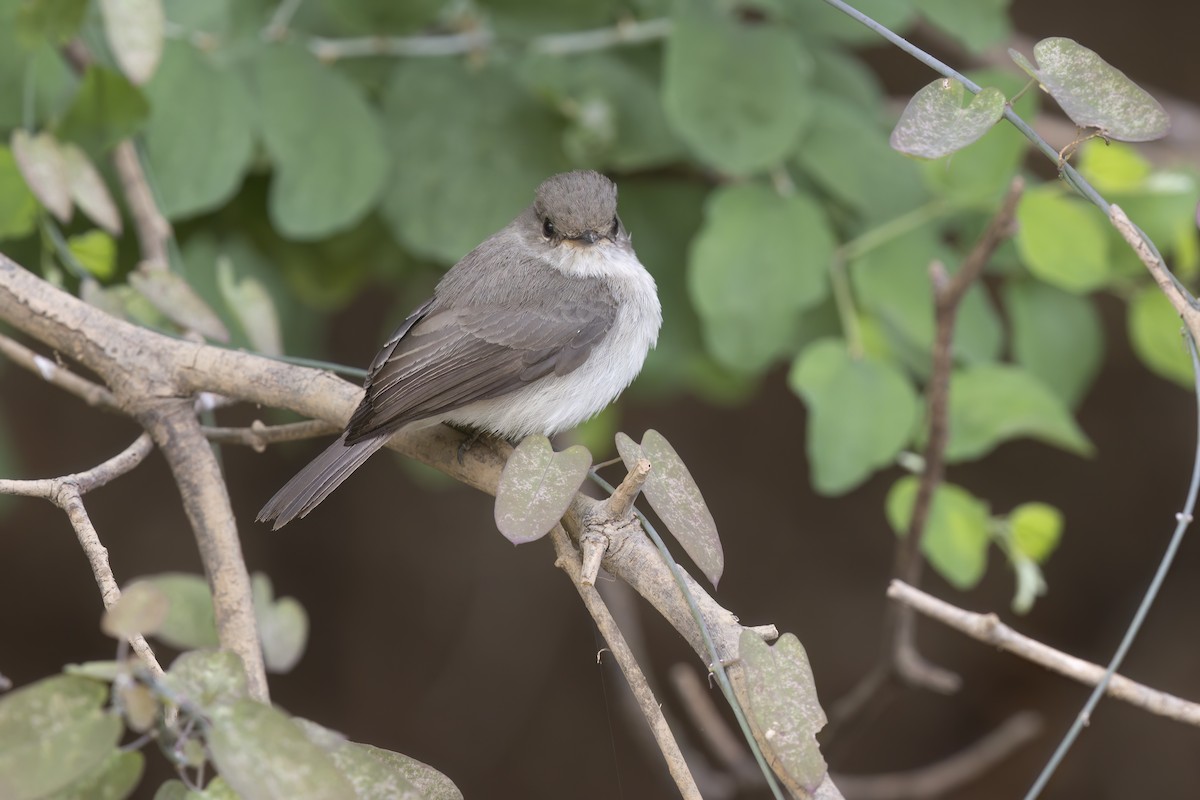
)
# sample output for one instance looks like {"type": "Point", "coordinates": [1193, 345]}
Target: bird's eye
{"type": "Point", "coordinates": [548, 228]}
{"type": "Point", "coordinates": [616, 227]}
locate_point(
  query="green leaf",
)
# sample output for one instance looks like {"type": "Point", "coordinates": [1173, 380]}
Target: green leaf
{"type": "Point", "coordinates": [113, 779]}
{"type": "Point", "coordinates": [52, 733]}
{"type": "Point", "coordinates": [1036, 529]}
{"type": "Point", "coordinates": [759, 261]}
{"type": "Point", "coordinates": [141, 608]}
{"type": "Point", "coordinates": [263, 755]}
{"type": "Point", "coordinates": [134, 29]}
{"type": "Point", "coordinates": [977, 25]}
{"type": "Point", "coordinates": [447, 125]}
{"type": "Point", "coordinates": [736, 93]}
{"type": "Point", "coordinates": [1156, 333]}
{"type": "Point", "coordinates": [107, 108]}
{"type": "Point", "coordinates": [784, 708]}
{"type": "Point", "coordinates": [41, 162]}
{"type": "Point", "coordinates": [862, 411]}
{"type": "Point", "coordinates": [992, 403]}
{"type": "Point", "coordinates": [378, 773]}
{"type": "Point", "coordinates": [282, 625]}
{"type": "Point", "coordinates": [956, 532]}
{"type": "Point", "coordinates": [1113, 166]}
{"type": "Point", "coordinates": [675, 497]}
{"type": "Point", "coordinates": [614, 107]}
{"type": "Point", "coordinates": [536, 487]}
{"type": "Point", "coordinates": [209, 679]}
{"type": "Point", "coordinates": [96, 252]}
{"type": "Point", "coordinates": [200, 134]}
{"type": "Point", "coordinates": [18, 206]}
{"type": "Point", "coordinates": [88, 190]}
{"type": "Point", "coordinates": [1056, 337]}
{"type": "Point", "coordinates": [325, 143]}
{"type": "Point", "coordinates": [1093, 93]}
{"type": "Point", "coordinates": [935, 123]}
{"type": "Point", "coordinates": [1062, 240]}
{"type": "Point", "coordinates": [846, 153]}
{"type": "Point", "coordinates": [189, 624]}
{"type": "Point", "coordinates": [56, 20]}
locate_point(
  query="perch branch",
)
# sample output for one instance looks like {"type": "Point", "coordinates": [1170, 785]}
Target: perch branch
{"type": "Point", "coordinates": [988, 628]}
{"type": "Point", "coordinates": [257, 436]}
{"type": "Point", "coordinates": [67, 492]}
{"type": "Point", "coordinates": [568, 559]}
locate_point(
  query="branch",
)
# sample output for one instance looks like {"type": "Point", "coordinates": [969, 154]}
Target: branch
{"type": "Point", "coordinates": [569, 561]}
{"type": "Point", "coordinates": [67, 492]}
{"type": "Point", "coordinates": [153, 231]}
{"type": "Point", "coordinates": [988, 628]}
{"type": "Point", "coordinates": [258, 435]}
{"type": "Point", "coordinates": [1165, 279]}
{"type": "Point", "coordinates": [91, 393]}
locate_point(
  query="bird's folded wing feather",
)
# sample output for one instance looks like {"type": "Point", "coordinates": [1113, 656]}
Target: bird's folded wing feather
{"type": "Point", "coordinates": [442, 360]}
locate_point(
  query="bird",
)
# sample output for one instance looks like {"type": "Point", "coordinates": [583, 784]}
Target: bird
{"type": "Point", "coordinates": [536, 330]}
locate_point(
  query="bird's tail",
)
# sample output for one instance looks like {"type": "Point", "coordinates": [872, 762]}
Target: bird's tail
{"type": "Point", "coordinates": [313, 484]}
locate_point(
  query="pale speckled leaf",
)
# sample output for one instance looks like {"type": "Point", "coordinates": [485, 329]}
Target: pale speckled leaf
{"type": "Point", "coordinates": [170, 294]}
{"type": "Point", "coordinates": [189, 624]}
{"type": "Point", "coordinates": [134, 29]}
{"type": "Point", "coordinates": [675, 497]}
{"type": "Point", "coordinates": [264, 755]}
{"type": "Point", "coordinates": [935, 123]}
{"type": "Point", "coordinates": [1093, 93]}
{"type": "Point", "coordinates": [142, 608]}
{"type": "Point", "coordinates": [88, 190]}
{"type": "Point", "coordinates": [207, 678]}
{"type": "Point", "coordinates": [536, 487]}
{"type": "Point", "coordinates": [783, 707]}
{"type": "Point", "coordinates": [40, 160]}
{"type": "Point", "coordinates": [113, 779]}
{"type": "Point", "coordinates": [52, 733]}
{"type": "Point", "coordinates": [282, 625]}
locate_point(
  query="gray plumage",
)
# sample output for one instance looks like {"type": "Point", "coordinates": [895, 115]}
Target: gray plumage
{"type": "Point", "coordinates": [535, 330]}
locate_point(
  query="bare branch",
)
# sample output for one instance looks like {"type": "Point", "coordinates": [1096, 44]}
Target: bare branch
{"type": "Point", "coordinates": [258, 435]}
{"type": "Point", "coordinates": [1179, 297]}
{"type": "Point", "coordinates": [620, 503]}
{"type": "Point", "coordinates": [52, 372]}
{"type": "Point", "coordinates": [67, 492]}
{"type": "Point", "coordinates": [569, 561]}
{"type": "Point", "coordinates": [153, 230]}
{"type": "Point", "coordinates": [988, 628]}
{"type": "Point", "coordinates": [944, 777]}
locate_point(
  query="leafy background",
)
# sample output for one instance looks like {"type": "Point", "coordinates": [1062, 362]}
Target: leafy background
{"type": "Point", "coordinates": [332, 194]}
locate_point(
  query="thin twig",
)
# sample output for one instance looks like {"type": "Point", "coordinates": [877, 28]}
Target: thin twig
{"type": "Point", "coordinates": [153, 231]}
{"type": "Point", "coordinates": [569, 561]}
{"type": "Point", "coordinates": [621, 34]}
{"type": "Point", "coordinates": [277, 28]}
{"type": "Point", "coordinates": [697, 698]}
{"type": "Point", "coordinates": [56, 374]}
{"type": "Point", "coordinates": [1180, 298]}
{"type": "Point", "coordinates": [258, 435]}
{"type": "Point", "coordinates": [67, 492]}
{"type": "Point", "coordinates": [620, 502]}
{"type": "Point", "coordinates": [944, 777]}
{"type": "Point", "coordinates": [988, 628]}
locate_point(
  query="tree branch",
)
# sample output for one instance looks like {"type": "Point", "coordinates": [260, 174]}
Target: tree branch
{"type": "Point", "coordinates": [67, 492]}
{"type": "Point", "coordinates": [51, 372]}
{"type": "Point", "coordinates": [988, 628]}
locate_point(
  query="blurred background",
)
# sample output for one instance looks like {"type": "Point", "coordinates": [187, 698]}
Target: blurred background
{"type": "Point", "coordinates": [432, 635]}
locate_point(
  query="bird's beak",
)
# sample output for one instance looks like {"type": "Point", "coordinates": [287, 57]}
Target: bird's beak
{"type": "Point", "coordinates": [591, 237]}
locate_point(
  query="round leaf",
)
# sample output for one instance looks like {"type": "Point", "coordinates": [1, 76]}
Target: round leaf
{"type": "Point", "coordinates": [784, 708]}
{"type": "Point", "coordinates": [935, 123]}
{"type": "Point", "coordinates": [759, 260]}
{"type": "Point", "coordinates": [113, 779]}
{"type": "Point", "coordinates": [189, 624]}
{"type": "Point", "coordinates": [536, 487]}
{"type": "Point", "coordinates": [861, 413]}
{"type": "Point", "coordinates": [106, 109]}
{"type": "Point", "coordinates": [200, 134]}
{"type": "Point", "coordinates": [325, 142]}
{"type": "Point", "coordinates": [208, 678]}
{"type": "Point", "coordinates": [1093, 93]}
{"type": "Point", "coordinates": [1056, 337]}
{"type": "Point", "coordinates": [956, 532]}
{"type": "Point", "coordinates": [1062, 240]}
{"type": "Point", "coordinates": [1155, 331]}
{"type": "Point", "coordinates": [991, 403]}
{"type": "Point", "coordinates": [1036, 529]}
{"type": "Point", "coordinates": [96, 252]}
{"type": "Point", "coordinates": [470, 147]}
{"type": "Point", "coordinates": [675, 497]}
{"type": "Point", "coordinates": [282, 625]}
{"type": "Point", "coordinates": [736, 93]}
{"type": "Point", "coordinates": [263, 755]}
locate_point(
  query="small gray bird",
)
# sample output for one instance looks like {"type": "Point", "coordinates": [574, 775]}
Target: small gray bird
{"type": "Point", "coordinates": [534, 331]}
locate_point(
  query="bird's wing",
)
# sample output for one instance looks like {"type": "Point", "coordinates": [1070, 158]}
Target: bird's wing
{"type": "Point", "coordinates": [442, 360]}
